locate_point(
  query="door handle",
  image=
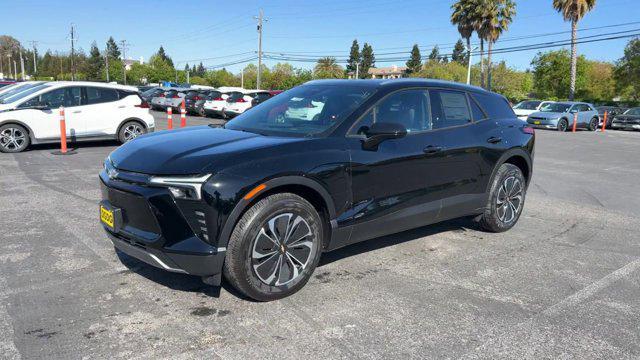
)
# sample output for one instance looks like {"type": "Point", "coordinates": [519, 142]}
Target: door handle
{"type": "Point", "coordinates": [121, 107]}
{"type": "Point", "coordinates": [494, 140]}
{"type": "Point", "coordinates": [77, 111]}
{"type": "Point", "coordinates": [432, 149]}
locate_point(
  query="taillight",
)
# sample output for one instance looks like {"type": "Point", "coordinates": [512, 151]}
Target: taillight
{"type": "Point", "coordinates": [175, 96]}
{"type": "Point", "coordinates": [241, 100]}
{"type": "Point", "coordinates": [196, 98]}
{"type": "Point", "coordinates": [161, 95]}
{"type": "Point", "coordinates": [218, 99]}
{"type": "Point", "coordinates": [143, 105]}
{"type": "Point", "coordinates": [528, 130]}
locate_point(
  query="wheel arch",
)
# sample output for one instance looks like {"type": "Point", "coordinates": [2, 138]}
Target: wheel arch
{"type": "Point", "coordinates": [135, 119]}
{"type": "Point", "coordinates": [517, 157]}
{"type": "Point", "coordinates": [308, 189]}
{"type": "Point", "coordinates": [17, 122]}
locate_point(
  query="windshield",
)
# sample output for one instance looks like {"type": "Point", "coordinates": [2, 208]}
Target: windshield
{"type": "Point", "coordinates": [303, 111]}
{"type": "Point", "coordinates": [557, 107]}
{"type": "Point", "coordinates": [23, 93]}
{"type": "Point", "coordinates": [634, 111]}
{"type": "Point", "coordinates": [528, 105]}
{"type": "Point", "coordinates": [17, 89]}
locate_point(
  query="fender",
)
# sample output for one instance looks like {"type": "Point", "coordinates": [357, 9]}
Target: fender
{"type": "Point", "coordinates": [243, 204]}
{"type": "Point", "coordinates": [33, 139]}
{"type": "Point", "coordinates": [508, 154]}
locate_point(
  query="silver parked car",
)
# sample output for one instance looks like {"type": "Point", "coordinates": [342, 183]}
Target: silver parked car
{"type": "Point", "coordinates": [560, 116]}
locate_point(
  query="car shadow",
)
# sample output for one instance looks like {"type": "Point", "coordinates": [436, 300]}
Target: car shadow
{"type": "Point", "coordinates": [75, 146]}
{"type": "Point", "coordinates": [194, 284]}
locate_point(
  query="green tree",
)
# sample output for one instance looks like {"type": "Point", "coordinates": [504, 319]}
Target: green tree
{"type": "Point", "coordinates": [627, 71]}
{"type": "Point", "coordinates": [435, 54]}
{"type": "Point", "coordinates": [459, 54]}
{"type": "Point", "coordinates": [200, 70]}
{"type": "Point", "coordinates": [113, 51]}
{"type": "Point", "coordinates": [574, 11]}
{"type": "Point", "coordinates": [465, 15]}
{"type": "Point", "coordinates": [163, 55]}
{"type": "Point", "coordinates": [368, 60]}
{"type": "Point", "coordinates": [95, 64]}
{"type": "Point", "coordinates": [354, 57]}
{"type": "Point", "coordinates": [414, 64]}
{"type": "Point", "coordinates": [550, 78]}
{"type": "Point", "coordinates": [600, 82]}
{"type": "Point", "coordinates": [162, 69]}
{"type": "Point", "coordinates": [328, 68]}
{"type": "Point", "coordinates": [497, 15]}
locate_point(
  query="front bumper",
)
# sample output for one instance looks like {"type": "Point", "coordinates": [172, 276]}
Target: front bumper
{"type": "Point", "coordinates": [625, 126]}
{"type": "Point", "coordinates": [159, 231]}
{"type": "Point", "coordinates": [543, 123]}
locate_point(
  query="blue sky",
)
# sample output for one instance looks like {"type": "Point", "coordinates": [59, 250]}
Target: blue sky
{"type": "Point", "coordinates": [219, 32]}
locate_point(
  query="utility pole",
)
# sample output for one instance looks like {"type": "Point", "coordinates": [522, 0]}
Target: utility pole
{"type": "Point", "coordinates": [357, 70]}
{"type": "Point", "coordinates": [1, 67]}
{"type": "Point", "coordinates": [21, 66]}
{"type": "Point", "coordinates": [260, 19]}
{"type": "Point", "coordinates": [470, 51]}
{"type": "Point", "coordinates": [73, 40]}
{"type": "Point", "coordinates": [242, 78]}
{"type": "Point", "coordinates": [9, 64]}
{"type": "Point", "coordinates": [123, 46]}
{"type": "Point", "coordinates": [106, 62]}
{"type": "Point", "coordinates": [35, 57]}
{"type": "Point", "coordinates": [15, 70]}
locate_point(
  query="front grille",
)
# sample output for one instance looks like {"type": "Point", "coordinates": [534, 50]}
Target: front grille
{"type": "Point", "coordinates": [136, 211]}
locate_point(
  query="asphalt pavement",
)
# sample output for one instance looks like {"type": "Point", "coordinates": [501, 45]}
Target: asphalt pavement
{"type": "Point", "coordinates": [564, 283]}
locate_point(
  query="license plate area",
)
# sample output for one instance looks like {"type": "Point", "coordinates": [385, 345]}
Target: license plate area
{"type": "Point", "coordinates": [110, 216]}
{"type": "Point", "coordinates": [536, 122]}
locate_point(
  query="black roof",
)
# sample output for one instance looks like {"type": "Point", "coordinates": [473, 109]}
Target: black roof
{"type": "Point", "coordinates": [396, 83]}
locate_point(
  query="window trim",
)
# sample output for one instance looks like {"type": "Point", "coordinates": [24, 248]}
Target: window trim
{"type": "Point", "coordinates": [427, 89]}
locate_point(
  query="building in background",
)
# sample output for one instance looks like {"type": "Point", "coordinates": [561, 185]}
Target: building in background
{"type": "Point", "coordinates": [391, 72]}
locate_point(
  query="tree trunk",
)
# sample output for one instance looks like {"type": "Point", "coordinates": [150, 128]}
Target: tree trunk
{"type": "Point", "coordinates": [482, 63]}
{"type": "Point", "coordinates": [489, 65]}
{"type": "Point", "coordinates": [468, 50]}
{"type": "Point", "coordinates": [574, 59]}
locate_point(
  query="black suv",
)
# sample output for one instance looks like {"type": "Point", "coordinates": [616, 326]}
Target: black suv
{"type": "Point", "coordinates": [261, 198]}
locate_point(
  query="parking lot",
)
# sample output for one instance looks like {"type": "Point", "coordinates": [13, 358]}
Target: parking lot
{"type": "Point", "coordinates": [564, 283]}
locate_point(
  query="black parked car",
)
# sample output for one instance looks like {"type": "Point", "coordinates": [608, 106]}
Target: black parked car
{"type": "Point", "coordinates": [261, 198]}
{"type": "Point", "coordinates": [612, 111]}
{"type": "Point", "coordinates": [191, 99]}
{"type": "Point", "coordinates": [630, 120]}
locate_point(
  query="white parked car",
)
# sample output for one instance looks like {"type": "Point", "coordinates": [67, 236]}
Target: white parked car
{"type": "Point", "coordinates": [525, 108]}
{"type": "Point", "coordinates": [215, 106]}
{"type": "Point", "coordinates": [92, 111]}
{"type": "Point", "coordinates": [304, 109]}
{"type": "Point", "coordinates": [239, 103]}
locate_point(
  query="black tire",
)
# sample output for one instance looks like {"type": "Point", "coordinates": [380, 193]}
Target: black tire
{"type": "Point", "coordinates": [13, 138]}
{"type": "Point", "coordinates": [496, 217]}
{"type": "Point", "coordinates": [563, 125]}
{"type": "Point", "coordinates": [130, 130]}
{"type": "Point", "coordinates": [246, 249]}
{"type": "Point", "coordinates": [593, 124]}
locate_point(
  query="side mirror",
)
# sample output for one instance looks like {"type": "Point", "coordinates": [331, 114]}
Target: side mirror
{"type": "Point", "coordinates": [379, 132]}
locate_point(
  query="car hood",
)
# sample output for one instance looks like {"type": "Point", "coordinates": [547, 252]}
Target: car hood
{"type": "Point", "coordinates": [522, 112]}
{"type": "Point", "coordinates": [547, 115]}
{"type": "Point", "coordinates": [627, 117]}
{"type": "Point", "coordinates": [189, 151]}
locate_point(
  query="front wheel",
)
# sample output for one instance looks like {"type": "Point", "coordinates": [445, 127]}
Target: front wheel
{"type": "Point", "coordinates": [563, 124]}
{"type": "Point", "coordinates": [593, 124]}
{"type": "Point", "coordinates": [130, 131]}
{"type": "Point", "coordinates": [274, 248]}
{"type": "Point", "coordinates": [506, 199]}
{"type": "Point", "coordinates": [13, 138]}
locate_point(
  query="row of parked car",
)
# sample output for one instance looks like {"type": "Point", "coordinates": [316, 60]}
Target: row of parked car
{"type": "Point", "coordinates": [560, 115]}
{"type": "Point", "coordinates": [223, 102]}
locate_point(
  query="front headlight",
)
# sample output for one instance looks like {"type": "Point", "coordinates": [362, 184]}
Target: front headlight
{"type": "Point", "coordinates": [182, 187]}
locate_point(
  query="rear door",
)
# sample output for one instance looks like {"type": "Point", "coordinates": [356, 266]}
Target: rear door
{"type": "Point", "coordinates": [102, 111]}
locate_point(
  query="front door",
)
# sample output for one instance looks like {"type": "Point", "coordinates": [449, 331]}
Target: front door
{"type": "Point", "coordinates": [46, 123]}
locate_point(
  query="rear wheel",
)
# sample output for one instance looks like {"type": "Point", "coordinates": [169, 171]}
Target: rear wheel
{"type": "Point", "coordinates": [130, 131]}
{"type": "Point", "coordinates": [563, 124]}
{"type": "Point", "coordinates": [13, 138]}
{"type": "Point", "coordinates": [506, 199]}
{"type": "Point", "coordinates": [274, 248]}
{"type": "Point", "coordinates": [593, 124]}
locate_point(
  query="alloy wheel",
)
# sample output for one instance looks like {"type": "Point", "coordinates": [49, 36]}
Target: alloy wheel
{"type": "Point", "coordinates": [132, 131]}
{"type": "Point", "coordinates": [509, 199]}
{"type": "Point", "coordinates": [282, 249]}
{"type": "Point", "coordinates": [12, 139]}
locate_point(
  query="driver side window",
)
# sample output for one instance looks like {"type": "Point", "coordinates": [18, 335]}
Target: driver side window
{"type": "Point", "coordinates": [409, 108]}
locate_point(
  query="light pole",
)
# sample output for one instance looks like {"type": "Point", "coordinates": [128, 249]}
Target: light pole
{"type": "Point", "coordinates": [470, 51]}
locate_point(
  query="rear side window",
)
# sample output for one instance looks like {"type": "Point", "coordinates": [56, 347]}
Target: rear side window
{"type": "Point", "coordinates": [496, 106]}
{"type": "Point", "coordinates": [449, 108]}
{"type": "Point", "coordinates": [97, 95]}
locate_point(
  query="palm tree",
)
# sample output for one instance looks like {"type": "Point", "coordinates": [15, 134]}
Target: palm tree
{"type": "Point", "coordinates": [497, 15]}
{"type": "Point", "coordinates": [328, 68]}
{"type": "Point", "coordinates": [464, 15]}
{"type": "Point", "coordinates": [574, 11]}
